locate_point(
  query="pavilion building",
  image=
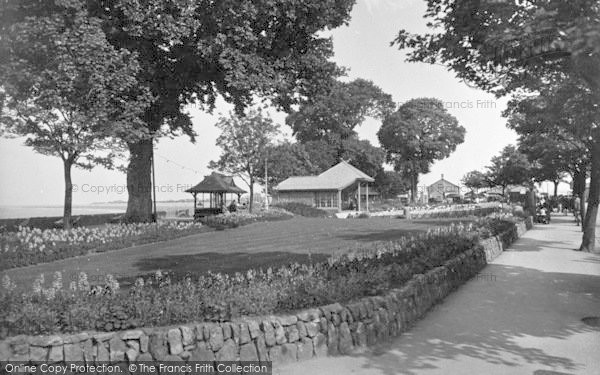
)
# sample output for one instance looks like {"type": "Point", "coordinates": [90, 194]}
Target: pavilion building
{"type": "Point", "coordinates": [336, 189]}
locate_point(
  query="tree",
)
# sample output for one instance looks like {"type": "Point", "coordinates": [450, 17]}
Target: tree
{"type": "Point", "coordinates": [550, 158]}
{"type": "Point", "coordinates": [360, 153]}
{"type": "Point", "coordinates": [391, 183]}
{"type": "Point", "coordinates": [243, 142]}
{"type": "Point", "coordinates": [285, 160]}
{"type": "Point", "coordinates": [418, 133]}
{"type": "Point", "coordinates": [474, 180]}
{"type": "Point", "coordinates": [195, 51]}
{"type": "Point", "coordinates": [68, 91]}
{"type": "Point", "coordinates": [557, 127]}
{"type": "Point", "coordinates": [515, 46]}
{"type": "Point", "coordinates": [333, 116]}
{"type": "Point", "coordinates": [364, 156]}
{"type": "Point", "coordinates": [511, 167]}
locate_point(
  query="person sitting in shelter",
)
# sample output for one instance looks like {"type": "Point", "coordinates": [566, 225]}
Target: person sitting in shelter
{"type": "Point", "coordinates": [233, 206]}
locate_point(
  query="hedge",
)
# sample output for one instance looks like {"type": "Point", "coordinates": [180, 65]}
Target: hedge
{"type": "Point", "coordinates": [302, 209]}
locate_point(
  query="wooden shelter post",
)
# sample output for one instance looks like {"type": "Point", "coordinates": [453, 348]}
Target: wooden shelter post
{"type": "Point", "coordinates": [359, 197]}
{"type": "Point", "coordinates": [367, 197]}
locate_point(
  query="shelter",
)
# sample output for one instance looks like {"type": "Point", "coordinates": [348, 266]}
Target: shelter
{"type": "Point", "coordinates": [342, 186]}
{"type": "Point", "coordinates": [217, 186]}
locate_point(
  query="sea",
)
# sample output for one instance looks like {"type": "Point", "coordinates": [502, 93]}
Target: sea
{"type": "Point", "coordinates": [24, 211]}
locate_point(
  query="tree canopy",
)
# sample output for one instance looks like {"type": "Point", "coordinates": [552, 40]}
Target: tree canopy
{"type": "Point", "coordinates": [511, 167]}
{"type": "Point", "coordinates": [474, 180]}
{"type": "Point", "coordinates": [503, 46]}
{"type": "Point", "coordinates": [191, 52]}
{"type": "Point", "coordinates": [515, 47]}
{"type": "Point", "coordinates": [284, 160]}
{"type": "Point", "coordinates": [334, 115]}
{"type": "Point", "coordinates": [418, 133]}
{"type": "Point", "coordinates": [69, 92]}
{"type": "Point", "coordinates": [244, 140]}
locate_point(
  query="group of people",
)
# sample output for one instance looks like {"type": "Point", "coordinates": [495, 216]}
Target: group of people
{"type": "Point", "coordinates": [233, 207]}
{"type": "Point", "coordinates": [543, 211]}
{"type": "Point", "coordinates": [544, 208]}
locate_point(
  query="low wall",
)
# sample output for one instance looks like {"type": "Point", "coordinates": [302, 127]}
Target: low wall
{"type": "Point", "coordinates": [495, 245]}
{"type": "Point", "coordinates": [326, 330]}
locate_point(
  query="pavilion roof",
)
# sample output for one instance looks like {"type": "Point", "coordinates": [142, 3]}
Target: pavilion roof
{"type": "Point", "coordinates": [338, 177]}
{"type": "Point", "coordinates": [216, 183]}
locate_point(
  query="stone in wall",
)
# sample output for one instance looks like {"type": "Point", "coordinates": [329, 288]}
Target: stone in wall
{"type": "Point", "coordinates": [254, 329]}
{"type": "Point", "coordinates": [244, 333]}
{"type": "Point", "coordinates": [187, 336]}
{"type": "Point", "coordinates": [269, 333]}
{"type": "Point", "coordinates": [261, 349]}
{"type": "Point", "coordinates": [158, 345]}
{"type": "Point", "coordinates": [202, 353]}
{"type": "Point", "coordinates": [248, 352]}
{"type": "Point", "coordinates": [174, 340]}
{"type": "Point", "coordinates": [320, 345]}
{"type": "Point", "coordinates": [332, 340]}
{"type": "Point", "coordinates": [216, 338]}
{"type": "Point", "coordinates": [345, 339]}
{"type": "Point", "coordinates": [305, 349]}
{"type": "Point", "coordinates": [228, 351]}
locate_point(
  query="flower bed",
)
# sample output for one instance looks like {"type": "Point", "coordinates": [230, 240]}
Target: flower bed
{"type": "Point", "coordinates": [32, 246]}
{"type": "Point", "coordinates": [235, 219]}
{"type": "Point", "coordinates": [216, 297]}
{"type": "Point", "coordinates": [456, 211]}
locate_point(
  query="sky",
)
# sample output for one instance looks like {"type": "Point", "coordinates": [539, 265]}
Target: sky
{"type": "Point", "coordinates": [28, 178]}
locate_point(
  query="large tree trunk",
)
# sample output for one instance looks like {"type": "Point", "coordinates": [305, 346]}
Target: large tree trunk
{"type": "Point", "coordinates": [556, 188]}
{"type": "Point", "coordinates": [589, 224]}
{"type": "Point", "coordinates": [579, 181]}
{"type": "Point", "coordinates": [530, 203]}
{"type": "Point", "coordinates": [68, 207]}
{"type": "Point", "coordinates": [413, 188]}
{"type": "Point", "coordinates": [139, 182]}
{"type": "Point", "coordinates": [251, 187]}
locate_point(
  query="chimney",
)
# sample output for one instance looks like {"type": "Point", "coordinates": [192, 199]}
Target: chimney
{"type": "Point", "coordinates": [442, 176]}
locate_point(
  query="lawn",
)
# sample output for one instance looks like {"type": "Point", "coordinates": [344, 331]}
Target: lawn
{"type": "Point", "coordinates": [265, 244]}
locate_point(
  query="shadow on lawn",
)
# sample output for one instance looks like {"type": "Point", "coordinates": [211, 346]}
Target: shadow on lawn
{"type": "Point", "coordinates": [180, 266]}
{"type": "Point", "coordinates": [502, 325]}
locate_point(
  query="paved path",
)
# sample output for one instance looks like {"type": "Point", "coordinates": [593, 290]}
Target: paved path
{"type": "Point", "coordinates": [252, 246]}
{"type": "Point", "coordinates": [524, 317]}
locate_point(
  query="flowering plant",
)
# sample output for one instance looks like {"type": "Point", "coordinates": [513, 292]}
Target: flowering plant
{"type": "Point", "coordinates": [29, 246]}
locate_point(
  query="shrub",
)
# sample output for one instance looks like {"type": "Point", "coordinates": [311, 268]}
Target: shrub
{"type": "Point", "coordinates": [32, 246]}
{"type": "Point", "coordinates": [302, 209]}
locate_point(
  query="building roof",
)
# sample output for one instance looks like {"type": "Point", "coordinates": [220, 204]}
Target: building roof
{"type": "Point", "coordinates": [216, 183]}
{"type": "Point", "coordinates": [442, 181]}
{"type": "Point", "coordinates": [338, 177]}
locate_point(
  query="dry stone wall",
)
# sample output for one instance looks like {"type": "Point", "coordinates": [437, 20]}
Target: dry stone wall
{"type": "Point", "coordinates": [323, 331]}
